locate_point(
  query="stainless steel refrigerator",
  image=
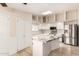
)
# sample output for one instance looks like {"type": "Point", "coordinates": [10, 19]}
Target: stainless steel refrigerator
{"type": "Point", "coordinates": [74, 34]}
{"type": "Point", "coordinates": [78, 35]}
{"type": "Point", "coordinates": [71, 35]}
{"type": "Point", "coordinates": [67, 34]}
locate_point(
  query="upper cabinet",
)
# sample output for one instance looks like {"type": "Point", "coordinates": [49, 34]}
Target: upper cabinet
{"type": "Point", "coordinates": [45, 19]}
{"type": "Point", "coordinates": [60, 17]}
{"type": "Point", "coordinates": [71, 15]}
{"type": "Point", "coordinates": [37, 19]}
{"type": "Point", "coordinates": [66, 16]}
{"type": "Point", "coordinates": [51, 18]}
{"type": "Point", "coordinates": [34, 19]}
{"type": "Point", "coordinates": [40, 19]}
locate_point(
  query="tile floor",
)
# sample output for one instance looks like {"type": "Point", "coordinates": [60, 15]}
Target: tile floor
{"type": "Point", "coordinates": [64, 50]}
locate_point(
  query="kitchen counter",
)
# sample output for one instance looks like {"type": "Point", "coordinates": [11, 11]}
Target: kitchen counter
{"type": "Point", "coordinates": [43, 44]}
{"type": "Point", "coordinates": [46, 37]}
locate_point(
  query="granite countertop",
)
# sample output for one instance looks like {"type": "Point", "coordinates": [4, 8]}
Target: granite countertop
{"type": "Point", "coordinates": [46, 37]}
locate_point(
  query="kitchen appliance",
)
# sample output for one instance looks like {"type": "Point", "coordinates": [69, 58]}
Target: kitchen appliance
{"type": "Point", "coordinates": [78, 35]}
{"type": "Point", "coordinates": [74, 34]}
{"type": "Point", "coordinates": [71, 35]}
{"type": "Point", "coordinates": [53, 30]}
{"type": "Point", "coordinates": [67, 33]}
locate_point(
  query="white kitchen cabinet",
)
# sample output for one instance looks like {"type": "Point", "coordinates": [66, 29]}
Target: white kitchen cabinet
{"type": "Point", "coordinates": [71, 15]}
{"type": "Point", "coordinates": [60, 17]}
{"type": "Point", "coordinates": [40, 19]}
{"type": "Point", "coordinates": [34, 19]}
{"type": "Point", "coordinates": [35, 27]}
{"type": "Point", "coordinates": [51, 18]}
{"type": "Point", "coordinates": [44, 26]}
{"type": "Point", "coordinates": [47, 18]}
{"type": "Point", "coordinates": [43, 19]}
{"type": "Point", "coordinates": [50, 46]}
{"type": "Point", "coordinates": [41, 48]}
{"type": "Point", "coordinates": [37, 19]}
{"type": "Point", "coordinates": [60, 25]}
{"type": "Point", "coordinates": [37, 48]}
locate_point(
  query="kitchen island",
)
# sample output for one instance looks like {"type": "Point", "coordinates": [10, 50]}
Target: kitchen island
{"type": "Point", "coordinates": [43, 44]}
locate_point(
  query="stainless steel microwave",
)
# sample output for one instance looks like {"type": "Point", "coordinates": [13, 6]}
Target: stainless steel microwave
{"type": "Point", "coordinates": [53, 28]}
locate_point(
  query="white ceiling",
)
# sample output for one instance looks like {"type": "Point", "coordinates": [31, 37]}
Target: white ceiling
{"type": "Point", "coordinates": [38, 8]}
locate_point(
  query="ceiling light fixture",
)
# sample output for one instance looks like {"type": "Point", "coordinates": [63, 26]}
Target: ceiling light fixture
{"type": "Point", "coordinates": [47, 12]}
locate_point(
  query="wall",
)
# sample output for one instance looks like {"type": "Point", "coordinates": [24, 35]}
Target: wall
{"type": "Point", "coordinates": [10, 43]}
{"type": "Point", "coordinates": [78, 17]}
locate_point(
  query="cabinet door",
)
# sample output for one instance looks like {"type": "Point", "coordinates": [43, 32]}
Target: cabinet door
{"type": "Point", "coordinates": [60, 17]}
{"type": "Point", "coordinates": [34, 19]}
{"type": "Point", "coordinates": [37, 47]}
{"type": "Point", "coordinates": [44, 19]}
{"type": "Point", "coordinates": [40, 19]}
{"type": "Point", "coordinates": [71, 15]}
{"type": "Point", "coordinates": [20, 34]}
{"type": "Point", "coordinates": [51, 18]}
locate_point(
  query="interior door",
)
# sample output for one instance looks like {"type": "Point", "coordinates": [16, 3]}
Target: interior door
{"type": "Point", "coordinates": [28, 34]}
{"type": "Point", "coordinates": [20, 34]}
{"type": "Point", "coordinates": [4, 34]}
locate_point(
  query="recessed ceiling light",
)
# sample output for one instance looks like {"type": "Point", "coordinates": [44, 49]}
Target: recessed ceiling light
{"type": "Point", "coordinates": [47, 12]}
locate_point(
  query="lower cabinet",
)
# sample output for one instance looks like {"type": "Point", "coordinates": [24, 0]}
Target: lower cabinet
{"type": "Point", "coordinates": [43, 49]}
{"type": "Point", "coordinates": [49, 46]}
{"type": "Point", "coordinates": [37, 48]}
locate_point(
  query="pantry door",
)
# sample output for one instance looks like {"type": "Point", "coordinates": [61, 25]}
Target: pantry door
{"type": "Point", "coordinates": [20, 34]}
{"type": "Point", "coordinates": [28, 34]}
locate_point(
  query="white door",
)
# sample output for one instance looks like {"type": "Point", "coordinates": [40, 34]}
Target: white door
{"type": "Point", "coordinates": [4, 34]}
{"type": "Point", "coordinates": [28, 34]}
{"type": "Point", "coordinates": [20, 34]}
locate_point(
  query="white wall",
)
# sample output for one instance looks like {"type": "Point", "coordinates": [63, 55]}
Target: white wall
{"type": "Point", "coordinates": [9, 44]}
